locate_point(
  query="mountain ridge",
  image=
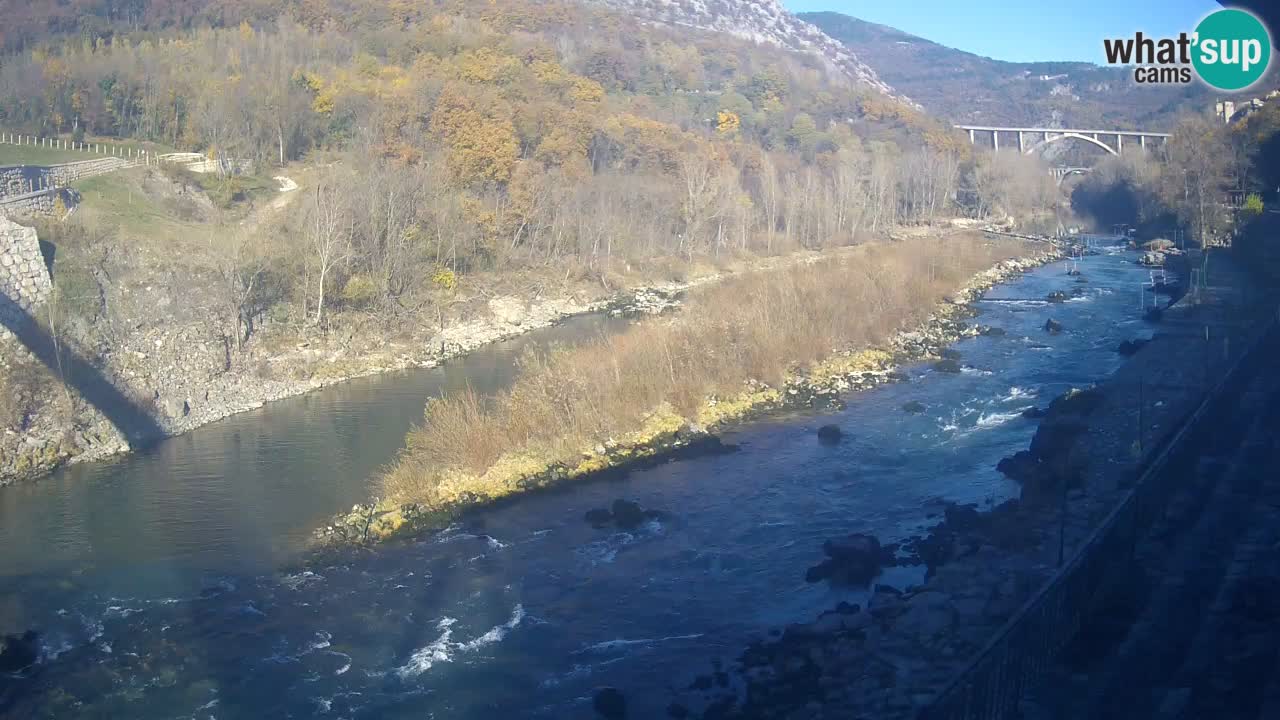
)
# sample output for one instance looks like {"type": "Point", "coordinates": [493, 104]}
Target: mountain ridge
{"type": "Point", "coordinates": [761, 21]}
{"type": "Point", "coordinates": [968, 88]}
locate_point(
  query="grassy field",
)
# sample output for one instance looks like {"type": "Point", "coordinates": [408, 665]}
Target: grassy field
{"type": "Point", "coordinates": [36, 155]}
{"type": "Point", "coordinates": [759, 327]}
{"type": "Point", "coordinates": [117, 200]}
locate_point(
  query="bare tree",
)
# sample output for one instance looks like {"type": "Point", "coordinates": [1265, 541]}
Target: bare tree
{"type": "Point", "coordinates": [328, 227]}
{"type": "Point", "coordinates": [705, 193]}
{"type": "Point", "coordinates": [241, 262]}
{"type": "Point", "coordinates": [1194, 176]}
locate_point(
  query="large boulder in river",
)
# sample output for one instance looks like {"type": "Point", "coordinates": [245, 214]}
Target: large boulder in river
{"type": "Point", "coordinates": [830, 434]}
{"type": "Point", "coordinates": [609, 703]}
{"type": "Point", "coordinates": [18, 652]}
{"type": "Point", "coordinates": [599, 517]}
{"type": "Point", "coordinates": [1053, 327]}
{"type": "Point", "coordinates": [1077, 401]}
{"type": "Point", "coordinates": [628, 515]}
{"type": "Point", "coordinates": [624, 514]}
{"type": "Point", "coordinates": [947, 366]}
{"type": "Point", "coordinates": [1130, 347]}
{"type": "Point", "coordinates": [1053, 459]}
{"type": "Point", "coordinates": [852, 560]}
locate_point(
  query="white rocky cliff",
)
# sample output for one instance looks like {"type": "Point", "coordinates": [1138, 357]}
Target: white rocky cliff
{"type": "Point", "coordinates": [761, 21]}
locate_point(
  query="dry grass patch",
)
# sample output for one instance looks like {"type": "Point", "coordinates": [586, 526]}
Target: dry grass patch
{"type": "Point", "coordinates": [729, 340]}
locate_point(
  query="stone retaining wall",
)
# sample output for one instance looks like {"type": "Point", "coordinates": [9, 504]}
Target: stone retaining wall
{"type": "Point", "coordinates": [25, 179]}
{"type": "Point", "coordinates": [43, 203]}
{"type": "Point", "coordinates": [24, 278]}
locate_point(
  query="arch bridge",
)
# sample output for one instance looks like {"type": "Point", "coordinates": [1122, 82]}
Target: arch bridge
{"type": "Point", "coordinates": [1030, 140]}
{"type": "Point", "coordinates": [1062, 173]}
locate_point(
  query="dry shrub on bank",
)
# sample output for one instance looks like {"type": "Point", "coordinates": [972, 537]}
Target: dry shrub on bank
{"type": "Point", "coordinates": [757, 326]}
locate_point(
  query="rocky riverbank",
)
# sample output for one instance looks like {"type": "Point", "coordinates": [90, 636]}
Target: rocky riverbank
{"type": "Point", "coordinates": [182, 375]}
{"type": "Point", "coordinates": [182, 390]}
{"type": "Point", "coordinates": [891, 658]}
{"type": "Point", "coordinates": [665, 431]}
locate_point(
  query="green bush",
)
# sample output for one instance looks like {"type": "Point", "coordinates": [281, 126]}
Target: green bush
{"type": "Point", "coordinates": [360, 291]}
{"type": "Point", "coordinates": [227, 191]}
{"type": "Point", "coordinates": [1253, 204]}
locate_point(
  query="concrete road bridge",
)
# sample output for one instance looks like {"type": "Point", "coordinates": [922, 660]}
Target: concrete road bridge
{"type": "Point", "coordinates": [1062, 173]}
{"type": "Point", "coordinates": [1030, 140]}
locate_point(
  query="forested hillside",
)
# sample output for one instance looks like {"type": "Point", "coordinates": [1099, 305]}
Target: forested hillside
{"type": "Point", "coordinates": [508, 132]}
{"type": "Point", "coordinates": [448, 154]}
{"type": "Point", "coordinates": [968, 88]}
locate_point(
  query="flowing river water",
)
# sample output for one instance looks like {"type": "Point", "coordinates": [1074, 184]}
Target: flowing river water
{"type": "Point", "coordinates": [174, 583]}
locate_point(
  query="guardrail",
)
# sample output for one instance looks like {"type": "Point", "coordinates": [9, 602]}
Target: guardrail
{"type": "Point", "coordinates": [196, 162]}
{"type": "Point", "coordinates": [990, 686]}
{"type": "Point", "coordinates": [93, 148]}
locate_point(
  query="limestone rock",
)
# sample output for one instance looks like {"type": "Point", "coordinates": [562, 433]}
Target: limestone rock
{"type": "Point", "coordinates": [509, 310]}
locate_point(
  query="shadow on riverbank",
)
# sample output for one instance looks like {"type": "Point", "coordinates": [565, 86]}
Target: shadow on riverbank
{"type": "Point", "coordinates": [134, 421]}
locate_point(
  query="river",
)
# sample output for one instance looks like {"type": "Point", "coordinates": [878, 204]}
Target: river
{"type": "Point", "coordinates": [174, 583]}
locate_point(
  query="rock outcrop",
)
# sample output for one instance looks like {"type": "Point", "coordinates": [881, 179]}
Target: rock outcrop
{"type": "Point", "coordinates": [1051, 461]}
{"type": "Point", "coordinates": [853, 560]}
{"type": "Point", "coordinates": [623, 514]}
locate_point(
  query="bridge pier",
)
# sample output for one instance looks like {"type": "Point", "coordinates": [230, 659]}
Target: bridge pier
{"type": "Point", "coordinates": [1021, 149]}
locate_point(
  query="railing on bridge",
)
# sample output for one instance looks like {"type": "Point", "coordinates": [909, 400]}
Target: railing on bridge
{"type": "Point", "coordinates": [1052, 135]}
{"type": "Point", "coordinates": [991, 685]}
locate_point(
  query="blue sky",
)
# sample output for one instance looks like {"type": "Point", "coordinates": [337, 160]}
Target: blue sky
{"type": "Point", "coordinates": [1024, 31]}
